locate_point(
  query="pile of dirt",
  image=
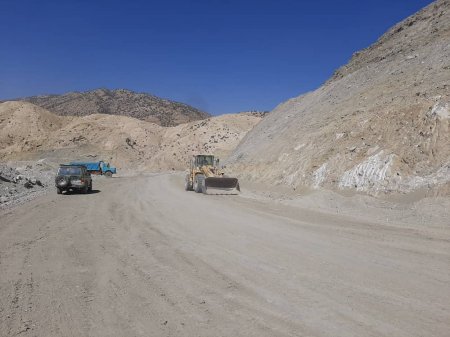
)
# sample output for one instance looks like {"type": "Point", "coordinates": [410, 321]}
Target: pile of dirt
{"type": "Point", "coordinates": [119, 102]}
{"type": "Point", "coordinates": [216, 135]}
{"type": "Point", "coordinates": [28, 132]}
{"type": "Point", "coordinates": [380, 124]}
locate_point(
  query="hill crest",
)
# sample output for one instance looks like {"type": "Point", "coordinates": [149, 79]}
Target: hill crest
{"type": "Point", "coordinates": [124, 102]}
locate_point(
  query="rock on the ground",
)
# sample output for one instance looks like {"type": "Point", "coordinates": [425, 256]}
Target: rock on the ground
{"type": "Point", "coordinates": [20, 181]}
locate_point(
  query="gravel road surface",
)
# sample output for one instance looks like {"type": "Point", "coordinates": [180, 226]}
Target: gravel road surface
{"type": "Point", "coordinates": [142, 257]}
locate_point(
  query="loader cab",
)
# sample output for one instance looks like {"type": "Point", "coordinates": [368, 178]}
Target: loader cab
{"type": "Point", "coordinates": [203, 160]}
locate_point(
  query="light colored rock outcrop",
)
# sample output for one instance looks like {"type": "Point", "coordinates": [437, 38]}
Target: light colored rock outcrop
{"type": "Point", "coordinates": [380, 124]}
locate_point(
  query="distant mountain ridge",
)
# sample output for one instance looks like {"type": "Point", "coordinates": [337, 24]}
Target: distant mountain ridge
{"type": "Point", "coordinates": [123, 102]}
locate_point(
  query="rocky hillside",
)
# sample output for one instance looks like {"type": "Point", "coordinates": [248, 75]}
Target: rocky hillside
{"type": "Point", "coordinates": [119, 102]}
{"type": "Point", "coordinates": [23, 182]}
{"type": "Point", "coordinates": [380, 124]}
{"type": "Point", "coordinates": [29, 132]}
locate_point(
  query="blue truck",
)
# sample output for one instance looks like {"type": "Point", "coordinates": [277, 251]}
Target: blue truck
{"type": "Point", "coordinates": [97, 167]}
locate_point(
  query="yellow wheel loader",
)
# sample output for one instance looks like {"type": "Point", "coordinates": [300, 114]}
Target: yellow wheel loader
{"type": "Point", "coordinates": [204, 176]}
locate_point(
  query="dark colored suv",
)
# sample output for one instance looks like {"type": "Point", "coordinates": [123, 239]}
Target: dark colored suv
{"type": "Point", "coordinates": [73, 177]}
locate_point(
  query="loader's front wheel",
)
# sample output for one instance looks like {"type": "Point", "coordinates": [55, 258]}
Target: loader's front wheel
{"type": "Point", "coordinates": [187, 184]}
{"type": "Point", "coordinates": [198, 183]}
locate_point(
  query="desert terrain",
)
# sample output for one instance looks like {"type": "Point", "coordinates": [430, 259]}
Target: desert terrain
{"type": "Point", "coordinates": [341, 227]}
{"type": "Point", "coordinates": [29, 132]}
{"type": "Point", "coordinates": [34, 141]}
{"type": "Point", "coordinates": [140, 256]}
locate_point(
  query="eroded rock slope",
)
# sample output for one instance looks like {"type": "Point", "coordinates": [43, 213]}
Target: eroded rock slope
{"type": "Point", "coordinates": [380, 124]}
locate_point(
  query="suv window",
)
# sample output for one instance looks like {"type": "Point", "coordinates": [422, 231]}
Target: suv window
{"type": "Point", "coordinates": [69, 171]}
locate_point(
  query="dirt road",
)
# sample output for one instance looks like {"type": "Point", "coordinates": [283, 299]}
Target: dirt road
{"type": "Point", "coordinates": [142, 257]}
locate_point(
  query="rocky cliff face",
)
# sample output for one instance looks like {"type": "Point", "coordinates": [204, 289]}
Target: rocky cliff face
{"type": "Point", "coordinates": [380, 124]}
{"type": "Point", "coordinates": [119, 102]}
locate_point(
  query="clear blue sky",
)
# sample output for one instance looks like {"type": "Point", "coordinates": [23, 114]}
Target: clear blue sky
{"type": "Point", "coordinates": [220, 56]}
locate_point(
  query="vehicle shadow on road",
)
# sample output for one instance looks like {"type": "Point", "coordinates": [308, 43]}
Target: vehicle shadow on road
{"type": "Point", "coordinates": [79, 193]}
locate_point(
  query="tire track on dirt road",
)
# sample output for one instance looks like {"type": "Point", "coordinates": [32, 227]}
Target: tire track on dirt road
{"type": "Point", "coordinates": [143, 257]}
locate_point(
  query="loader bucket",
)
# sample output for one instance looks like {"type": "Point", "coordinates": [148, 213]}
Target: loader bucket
{"type": "Point", "coordinates": [221, 185]}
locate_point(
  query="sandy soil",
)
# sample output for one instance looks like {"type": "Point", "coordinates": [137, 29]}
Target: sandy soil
{"type": "Point", "coordinates": [142, 257]}
{"type": "Point", "coordinates": [28, 132]}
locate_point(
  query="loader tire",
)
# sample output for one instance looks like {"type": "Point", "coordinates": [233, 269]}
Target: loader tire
{"type": "Point", "coordinates": [198, 183]}
{"type": "Point", "coordinates": [187, 184]}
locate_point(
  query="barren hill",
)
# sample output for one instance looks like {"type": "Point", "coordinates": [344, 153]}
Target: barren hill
{"type": "Point", "coordinates": [28, 132]}
{"type": "Point", "coordinates": [380, 124]}
{"type": "Point", "coordinates": [119, 102]}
